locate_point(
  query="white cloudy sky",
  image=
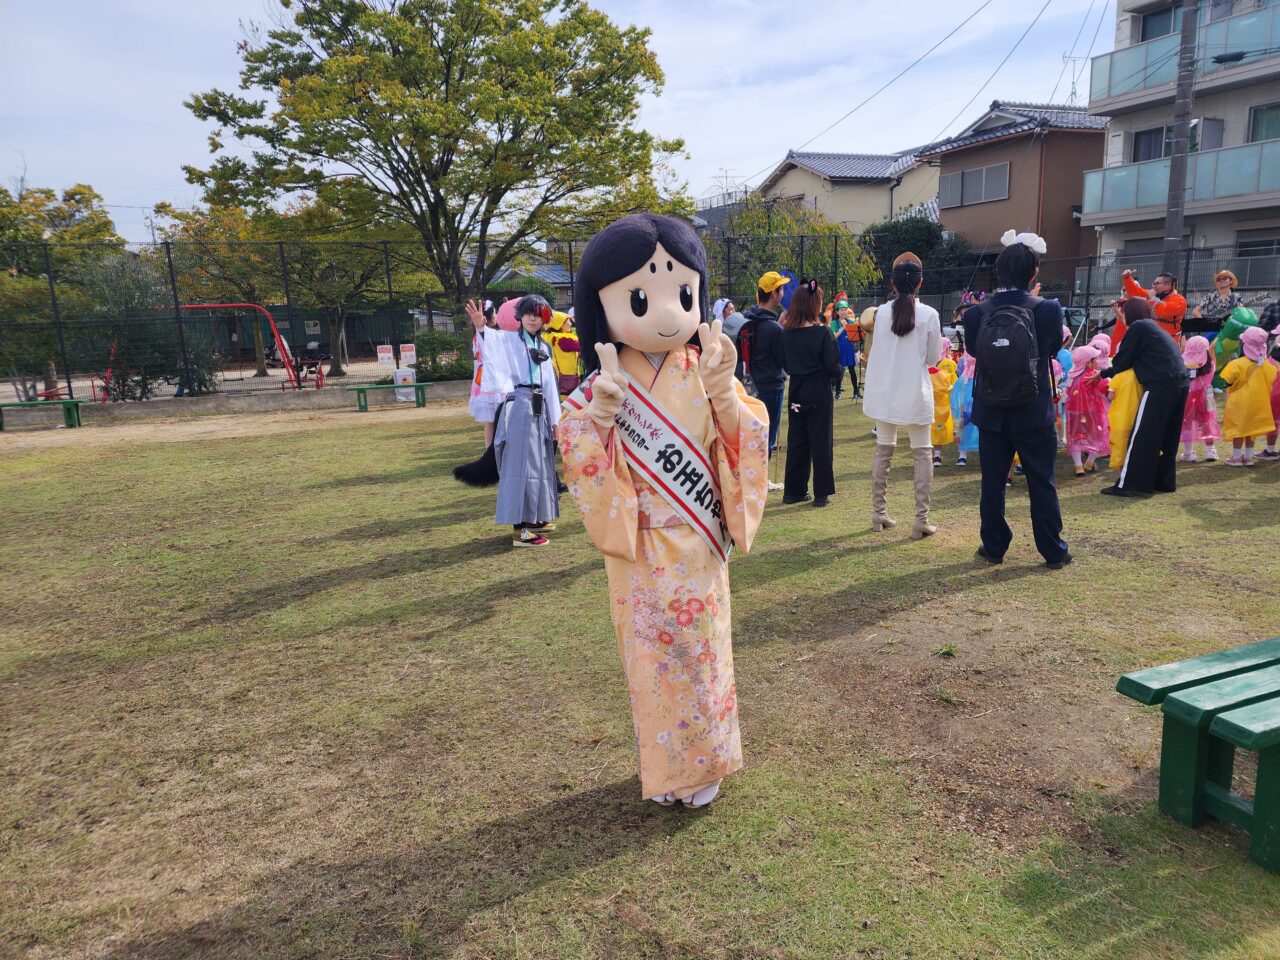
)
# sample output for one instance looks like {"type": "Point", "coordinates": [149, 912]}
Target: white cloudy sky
{"type": "Point", "coordinates": [91, 90]}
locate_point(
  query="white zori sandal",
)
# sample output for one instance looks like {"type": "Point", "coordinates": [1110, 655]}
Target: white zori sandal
{"type": "Point", "coordinates": [666, 800]}
{"type": "Point", "coordinates": [702, 796]}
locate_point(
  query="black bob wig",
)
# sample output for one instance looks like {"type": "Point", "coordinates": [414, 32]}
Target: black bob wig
{"type": "Point", "coordinates": [619, 250]}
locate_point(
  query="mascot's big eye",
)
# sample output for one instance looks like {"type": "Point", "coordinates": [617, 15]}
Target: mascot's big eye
{"type": "Point", "coordinates": [686, 297]}
{"type": "Point", "coordinates": [639, 303]}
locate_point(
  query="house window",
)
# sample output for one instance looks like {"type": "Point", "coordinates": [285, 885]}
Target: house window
{"type": "Point", "coordinates": [1264, 123]}
{"type": "Point", "coordinates": [1147, 145]}
{"type": "Point", "coordinates": [1220, 9]}
{"type": "Point", "coordinates": [1161, 23]}
{"type": "Point", "coordinates": [1157, 142]}
{"type": "Point", "coordinates": [1258, 243]}
{"type": "Point", "coordinates": [978, 185]}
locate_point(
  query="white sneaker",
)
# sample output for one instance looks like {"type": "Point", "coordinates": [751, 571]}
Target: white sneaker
{"type": "Point", "coordinates": [776, 486]}
{"type": "Point", "coordinates": [1188, 457]}
{"type": "Point", "coordinates": [1210, 455]}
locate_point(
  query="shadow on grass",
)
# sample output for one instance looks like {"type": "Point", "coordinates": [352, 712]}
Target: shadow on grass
{"type": "Point", "coordinates": [1139, 882]}
{"type": "Point", "coordinates": [417, 903]}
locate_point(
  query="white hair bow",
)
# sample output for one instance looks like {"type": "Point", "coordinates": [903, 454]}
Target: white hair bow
{"type": "Point", "coordinates": [1036, 243]}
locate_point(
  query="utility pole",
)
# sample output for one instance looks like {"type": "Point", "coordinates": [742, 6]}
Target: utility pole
{"type": "Point", "coordinates": [1175, 207]}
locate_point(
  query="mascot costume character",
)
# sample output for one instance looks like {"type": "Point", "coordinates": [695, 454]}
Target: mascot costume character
{"type": "Point", "coordinates": [667, 458]}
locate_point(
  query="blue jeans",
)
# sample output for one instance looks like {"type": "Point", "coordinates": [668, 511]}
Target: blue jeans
{"type": "Point", "coordinates": [772, 400]}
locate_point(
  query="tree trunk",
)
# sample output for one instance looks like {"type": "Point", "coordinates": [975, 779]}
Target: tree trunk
{"type": "Point", "coordinates": [335, 345]}
{"type": "Point", "coordinates": [50, 376]}
{"type": "Point", "coordinates": [259, 348]}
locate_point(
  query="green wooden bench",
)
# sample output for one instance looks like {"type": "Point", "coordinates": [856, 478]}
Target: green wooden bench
{"type": "Point", "coordinates": [1213, 705]}
{"type": "Point", "coordinates": [362, 393]}
{"type": "Point", "coordinates": [70, 409]}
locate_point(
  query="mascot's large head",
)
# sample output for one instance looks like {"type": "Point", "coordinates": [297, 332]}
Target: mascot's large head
{"type": "Point", "coordinates": [642, 281]}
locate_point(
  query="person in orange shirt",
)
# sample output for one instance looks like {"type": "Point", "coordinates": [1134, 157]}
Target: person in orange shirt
{"type": "Point", "coordinates": [1168, 304]}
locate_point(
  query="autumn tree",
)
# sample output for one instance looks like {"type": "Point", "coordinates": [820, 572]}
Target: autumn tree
{"type": "Point", "coordinates": [225, 253]}
{"type": "Point", "coordinates": [480, 124]}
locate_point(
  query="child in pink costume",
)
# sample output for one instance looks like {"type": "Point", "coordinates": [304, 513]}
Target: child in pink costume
{"type": "Point", "coordinates": [1200, 417]}
{"type": "Point", "coordinates": [1086, 408]}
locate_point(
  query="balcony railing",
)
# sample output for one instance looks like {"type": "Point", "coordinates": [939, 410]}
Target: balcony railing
{"type": "Point", "coordinates": [1155, 63]}
{"type": "Point", "coordinates": [1211, 175]}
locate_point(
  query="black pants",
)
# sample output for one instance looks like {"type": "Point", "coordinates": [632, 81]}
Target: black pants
{"type": "Point", "coordinates": [853, 378]}
{"type": "Point", "coordinates": [810, 437]}
{"type": "Point", "coordinates": [1151, 461]}
{"type": "Point", "coordinates": [1037, 449]}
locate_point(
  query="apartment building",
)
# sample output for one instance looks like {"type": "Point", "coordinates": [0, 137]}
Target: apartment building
{"type": "Point", "coordinates": [1233, 177]}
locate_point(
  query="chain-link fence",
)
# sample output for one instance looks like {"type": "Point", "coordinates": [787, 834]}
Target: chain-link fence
{"type": "Point", "coordinates": [137, 321]}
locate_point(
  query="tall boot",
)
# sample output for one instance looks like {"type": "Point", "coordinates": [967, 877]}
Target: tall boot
{"type": "Point", "coordinates": [879, 485]}
{"type": "Point", "coordinates": [923, 457]}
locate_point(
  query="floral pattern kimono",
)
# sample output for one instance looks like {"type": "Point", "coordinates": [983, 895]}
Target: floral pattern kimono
{"type": "Point", "coordinates": [668, 592]}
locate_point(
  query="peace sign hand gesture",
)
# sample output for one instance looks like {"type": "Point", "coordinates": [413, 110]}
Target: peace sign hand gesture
{"type": "Point", "coordinates": [608, 388]}
{"type": "Point", "coordinates": [717, 361]}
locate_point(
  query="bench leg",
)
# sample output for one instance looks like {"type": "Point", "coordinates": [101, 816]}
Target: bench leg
{"type": "Point", "coordinates": [1184, 766]}
{"type": "Point", "coordinates": [68, 416]}
{"type": "Point", "coordinates": [1264, 848]}
{"type": "Point", "coordinates": [420, 395]}
{"type": "Point", "coordinates": [362, 401]}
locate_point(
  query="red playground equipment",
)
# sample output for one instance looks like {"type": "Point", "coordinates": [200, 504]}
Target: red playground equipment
{"type": "Point", "coordinates": [293, 370]}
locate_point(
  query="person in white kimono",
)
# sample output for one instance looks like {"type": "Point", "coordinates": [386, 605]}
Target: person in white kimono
{"type": "Point", "coordinates": [517, 366]}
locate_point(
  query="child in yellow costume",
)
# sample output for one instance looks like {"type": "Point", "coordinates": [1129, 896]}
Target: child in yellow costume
{"type": "Point", "coordinates": [1125, 392]}
{"type": "Point", "coordinates": [564, 351]}
{"type": "Point", "coordinates": [944, 378]}
{"type": "Point", "coordinates": [1248, 414]}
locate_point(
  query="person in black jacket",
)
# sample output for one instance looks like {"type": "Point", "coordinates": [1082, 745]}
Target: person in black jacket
{"type": "Point", "coordinates": [813, 360]}
{"type": "Point", "coordinates": [760, 346]}
{"type": "Point", "coordinates": [1028, 428]}
{"type": "Point", "coordinates": [1153, 356]}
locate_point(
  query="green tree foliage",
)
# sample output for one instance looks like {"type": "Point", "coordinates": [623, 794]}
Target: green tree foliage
{"type": "Point", "coordinates": [29, 218]}
{"type": "Point", "coordinates": [224, 255]}
{"type": "Point", "coordinates": [479, 124]}
{"type": "Point", "coordinates": [945, 257]}
{"type": "Point", "coordinates": [335, 262]}
{"type": "Point", "coordinates": [766, 235]}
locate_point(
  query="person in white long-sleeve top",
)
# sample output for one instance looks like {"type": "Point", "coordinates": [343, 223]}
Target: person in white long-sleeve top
{"type": "Point", "coordinates": [899, 391]}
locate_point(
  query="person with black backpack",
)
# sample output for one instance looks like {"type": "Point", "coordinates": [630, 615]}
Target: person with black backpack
{"type": "Point", "coordinates": [1013, 335]}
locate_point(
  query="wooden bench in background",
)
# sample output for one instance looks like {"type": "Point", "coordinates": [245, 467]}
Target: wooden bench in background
{"type": "Point", "coordinates": [70, 409]}
{"type": "Point", "coordinates": [362, 393]}
{"type": "Point", "coordinates": [1214, 705]}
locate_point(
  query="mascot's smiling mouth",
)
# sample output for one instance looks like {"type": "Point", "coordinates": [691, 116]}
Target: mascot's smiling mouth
{"type": "Point", "coordinates": [668, 335]}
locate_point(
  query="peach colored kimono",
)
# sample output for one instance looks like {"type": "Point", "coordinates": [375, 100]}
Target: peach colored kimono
{"type": "Point", "coordinates": [668, 593]}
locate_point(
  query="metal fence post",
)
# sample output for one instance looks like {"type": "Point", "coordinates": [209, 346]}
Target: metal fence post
{"type": "Point", "coordinates": [1088, 297]}
{"type": "Point", "coordinates": [57, 321]}
{"type": "Point", "coordinates": [728, 265]}
{"type": "Point", "coordinates": [288, 300]}
{"type": "Point", "coordinates": [570, 242]}
{"type": "Point", "coordinates": [801, 277]}
{"type": "Point", "coordinates": [177, 317]}
{"type": "Point", "coordinates": [835, 264]}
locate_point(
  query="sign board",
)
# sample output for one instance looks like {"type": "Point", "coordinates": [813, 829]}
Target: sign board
{"type": "Point", "coordinates": [386, 356]}
{"type": "Point", "coordinates": [404, 375]}
{"type": "Point", "coordinates": [311, 326]}
{"type": "Point", "coordinates": [408, 354]}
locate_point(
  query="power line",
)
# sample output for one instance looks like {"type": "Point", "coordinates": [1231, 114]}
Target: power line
{"type": "Point", "coordinates": [1066, 61]}
{"type": "Point", "coordinates": [1075, 76]}
{"type": "Point", "coordinates": [914, 63]}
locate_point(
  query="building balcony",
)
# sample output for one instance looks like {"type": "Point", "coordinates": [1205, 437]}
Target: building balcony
{"type": "Point", "coordinates": [1144, 74]}
{"type": "Point", "coordinates": [1234, 178]}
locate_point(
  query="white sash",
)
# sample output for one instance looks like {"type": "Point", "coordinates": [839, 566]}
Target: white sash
{"type": "Point", "coordinates": [677, 468]}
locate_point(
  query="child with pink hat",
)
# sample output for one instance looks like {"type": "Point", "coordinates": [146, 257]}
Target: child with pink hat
{"type": "Point", "coordinates": [1200, 416]}
{"type": "Point", "coordinates": [1086, 411]}
{"type": "Point", "coordinates": [1249, 380]}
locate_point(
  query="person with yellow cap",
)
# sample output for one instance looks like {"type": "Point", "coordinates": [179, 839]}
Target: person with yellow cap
{"type": "Point", "coordinates": [564, 351]}
{"type": "Point", "coordinates": [760, 346]}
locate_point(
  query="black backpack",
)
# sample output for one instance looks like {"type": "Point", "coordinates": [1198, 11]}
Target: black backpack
{"type": "Point", "coordinates": [1007, 354]}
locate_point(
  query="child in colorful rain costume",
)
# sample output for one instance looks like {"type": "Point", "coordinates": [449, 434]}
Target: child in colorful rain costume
{"type": "Point", "coordinates": [1087, 429]}
{"type": "Point", "coordinates": [1249, 381]}
{"type": "Point", "coordinates": [564, 351]}
{"type": "Point", "coordinates": [944, 377]}
{"type": "Point", "coordinates": [667, 458]}
{"type": "Point", "coordinates": [1200, 417]}
{"type": "Point", "coordinates": [962, 408]}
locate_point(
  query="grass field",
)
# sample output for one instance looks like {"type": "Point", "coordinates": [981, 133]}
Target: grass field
{"type": "Point", "coordinates": [292, 694]}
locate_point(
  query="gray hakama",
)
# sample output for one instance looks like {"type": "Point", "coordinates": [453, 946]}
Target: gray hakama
{"type": "Point", "coordinates": [525, 451]}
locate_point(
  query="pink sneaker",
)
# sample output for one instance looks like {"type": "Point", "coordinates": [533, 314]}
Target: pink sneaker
{"type": "Point", "coordinates": [1234, 462]}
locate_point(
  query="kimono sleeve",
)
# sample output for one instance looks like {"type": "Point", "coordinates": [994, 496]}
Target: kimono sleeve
{"type": "Point", "coordinates": [742, 463]}
{"type": "Point", "coordinates": [600, 483]}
